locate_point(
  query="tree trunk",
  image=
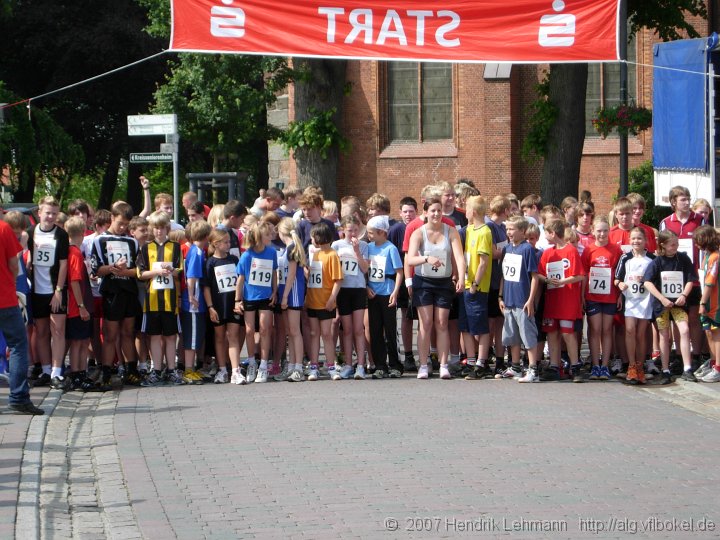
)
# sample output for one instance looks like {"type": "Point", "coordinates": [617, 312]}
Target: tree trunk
{"type": "Point", "coordinates": [561, 168]}
{"type": "Point", "coordinates": [321, 90]}
{"type": "Point", "coordinates": [107, 191]}
{"type": "Point", "coordinates": [26, 185]}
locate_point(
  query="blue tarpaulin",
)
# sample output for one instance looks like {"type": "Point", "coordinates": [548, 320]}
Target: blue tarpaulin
{"type": "Point", "coordinates": [679, 105]}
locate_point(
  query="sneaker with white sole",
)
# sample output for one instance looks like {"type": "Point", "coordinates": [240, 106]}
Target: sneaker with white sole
{"type": "Point", "coordinates": [296, 376]}
{"type": "Point", "coordinates": [651, 368]}
{"type": "Point", "coordinates": [394, 374]}
{"type": "Point", "coordinates": [314, 375]}
{"type": "Point", "coordinates": [359, 373]}
{"type": "Point", "coordinates": [221, 377]}
{"type": "Point", "coordinates": [713, 376]}
{"type": "Point", "coordinates": [237, 377]}
{"type": "Point", "coordinates": [334, 374]}
{"type": "Point", "coordinates": [422, 372]}
{"type": "Point", "coordinates": [616, 366]}
{"type": "Point", "coordinates": [511, 372]}
{"type": "Point", "coordinates": [378, 374]}
{"type": "Point", "coordinates": [531, 376]}
{"type": "Point", "coordinates": [262, 376]}
{"type": "Point", "coordinates": [444, 372]}
{"type": "Point", "coordinates": [704, 369]}
{"type": "Point", "coordinates": [346, 372]}
{"type": "Point", "coordinates": [283, 375]}
{"type": "Point", "coordinates": [252, 372]}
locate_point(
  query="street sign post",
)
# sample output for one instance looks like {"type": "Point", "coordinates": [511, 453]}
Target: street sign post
{"type": "Point", "coordinates": [151, 157]}
{"type": "Point", "coordinates": [142, 125]}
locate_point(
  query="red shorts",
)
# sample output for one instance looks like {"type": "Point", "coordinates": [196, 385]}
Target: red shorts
{"type": "Point", "coordinates": [553, 325]}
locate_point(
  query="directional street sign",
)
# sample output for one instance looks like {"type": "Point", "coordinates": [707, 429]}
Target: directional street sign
{"type": "Point", "coordinates": [152, 124]}
{"type": "Point", "coordinates": [151, 157]}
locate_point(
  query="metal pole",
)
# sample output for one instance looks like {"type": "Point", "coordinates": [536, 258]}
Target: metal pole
{"type": "Point", "coordinates": [623, 97]}
{"type": "Point", "coordinates": [176, 185]}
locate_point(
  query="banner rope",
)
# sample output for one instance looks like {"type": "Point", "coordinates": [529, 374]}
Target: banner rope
{"type": "Point", "coordinates": [84, 81]}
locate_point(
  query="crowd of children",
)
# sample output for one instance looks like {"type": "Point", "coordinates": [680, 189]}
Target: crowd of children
{"type": "Point", "coordinates": [501, 288]}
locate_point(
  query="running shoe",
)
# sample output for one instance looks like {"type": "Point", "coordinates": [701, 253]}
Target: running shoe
{"type": "Point", "coordinates": [334, 374]}
{"type": "Point", "coordinates": [444, 372]}
{"type": "Point", "coordinates": [262, 376]}
{"type": "Point", "coordinates": [395, 374]}
{"type": "Point", "coordinates": [666, 378]}
{"type": "Point", "coordinates": [296, 376]}
{"type": "Point", "coordinates": [510, 372]}
{"type": "Point", "coordinates": [221, 377]}
{"type": "Point", "coordinates": [616, 366]}
{"type": "Point", "coordinates": [283, 375]}
{"type": "Point", "coordinates": [379, 374]}
{"type": "Point", "coordinates": [252, 372]}
{"type": "Point", "coordinates": [175, 378]}
{"type": "Point", "coordinates": [237, 377]}
{"type": "Point", "coordinates": [359, 373]}
{"type": "Point", "coordinates": [604, 373]}
{"type": "Point", "coordinates": [704, 369]}
{"type": "Point", "coordinates": [313, 375]}
{"type": "Point", "coordinates": [595, 373]}
{"type": "Point", "coordinates": [688, 376]}
{"type": "Point", "coordinates": [422, 372]}
{"type": "Point", "coordinates": [153, 379]}
{"type": "Point", "coordinates": [43, 379]}
{"type": "Point", "coordinates": [713, 376]}
{"type": "Point", "coordinates": [531, 376]}
{"type": "Point", "coordinates": [347, 372]}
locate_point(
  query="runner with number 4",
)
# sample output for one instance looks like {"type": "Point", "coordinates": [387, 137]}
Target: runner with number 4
{"type": "Point", "coordinates": [629, 278]}
{"type": "Point", "coordinates": [601, 296]}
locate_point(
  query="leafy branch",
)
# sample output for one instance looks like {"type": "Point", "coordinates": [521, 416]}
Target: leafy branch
{"type": "Point", "coordinates": [318, 133]}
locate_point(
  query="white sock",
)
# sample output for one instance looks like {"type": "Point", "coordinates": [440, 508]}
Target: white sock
{"type": "Point", "coordinates": [222, 370]}
{"type": "Point", "coordinates": [299, 367]}
{"type": "Point", "coordinates": [263, 365]}
{"type": "Point", "coordinates": [56, 372]}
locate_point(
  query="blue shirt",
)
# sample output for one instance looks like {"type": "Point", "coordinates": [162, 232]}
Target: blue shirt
{"type": "Point", "coordinates": [296, 297]}
{"type": "Point", "coordinates": [258, 270]}
{"type": "Point", "coordinates": [194, 268]}
{"type": "Point", "coordinates": [499, 238]}
{"type": "Point", "coordinates": [381, 274]}
{"type": "Point", "coordinates": [518, 266]}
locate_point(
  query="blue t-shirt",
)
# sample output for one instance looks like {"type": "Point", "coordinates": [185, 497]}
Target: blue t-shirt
{"type": "Point", "coordinates": [384, 264]}
{"type": "Point", "coordinates": [296, 297]}
{"type": "Point", "coordinates": [194, 268]}
{"type": "Point", "coordinates": [517, 262]}
{"type": "Point", "coordinates": [396, 236]}
{"type": "Point", "coordinates": [499, 238]}
{"type": "Point", "coordinates": [258, 270]}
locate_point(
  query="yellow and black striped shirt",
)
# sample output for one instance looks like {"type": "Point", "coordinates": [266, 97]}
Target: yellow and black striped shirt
{"type": "Point", "coordinates": [163, 292]}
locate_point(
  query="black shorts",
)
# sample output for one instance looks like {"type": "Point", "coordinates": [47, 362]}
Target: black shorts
{"type": "Point", "coordinates": [120, 305]}
{"type": "Point", "coordinates": [494, 304]}
{"type": "Point", "coordinates": [349, 300]}
{"type": "Point", "coordinates": [433, 292]}
{"type": "Point", "coordinates": [321, 314]}
{"type": "Point", "coordinates": [257, 305]}
{"type": "Point", "coordinates": [233, 319]}
{"type": "Point", "coordinates": [454, 314]}
{"type": "Point", "coordinates": [77, 330]}
{"type": "Point", "coordinates": [41, 305]}
{"type": "Point", "coordinates": [403, 298]}
{"type": "Point", "coordinates": [160, 323]}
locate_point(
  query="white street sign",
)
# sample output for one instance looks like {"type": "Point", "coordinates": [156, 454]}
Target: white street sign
{"type": "Point", "coordinates": [152, 124]}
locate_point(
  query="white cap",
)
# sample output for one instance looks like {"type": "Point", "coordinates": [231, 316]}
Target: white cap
{"type": "Point", "coordinates": [379, 223]}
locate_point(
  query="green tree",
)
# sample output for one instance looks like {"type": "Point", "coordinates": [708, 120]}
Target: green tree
{"type": "Point", "coordinates": [47, 45]}
{"type": "Point", "coordinates": [567, 84]}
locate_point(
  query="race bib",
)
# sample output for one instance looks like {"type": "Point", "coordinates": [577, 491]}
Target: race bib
{"type": "Point", "coordinates": [315, 275]}
{"type": "Point", "coordinates": [672, 284]}
{"type": "Point", "coordinates": [429, 270]}
{"type": "Point", "coordinates": [282, 274]}
{"type": "Point", "coordinates": [376, 272]}
{"type": "Point", "coordinates": [162, 282]}
{"type": "Point", "coordinates": [349, 262]}
{"type": "Point", "coordinates": [599, 280]}
{"type": "Point", "coordinates": [226, 278]}
{"type": "Point", "coordinates": [512, 263]}
{"type": "Point", "coordinates": [116, 251]}
{"type": "Point", "coordinates": [260, 273]}
{"type": "Point", "coordinates": [636, 287]}
{"type": "Point", "coordinates": [686, 246]}
{"type": "Point", "coordinates": [45, 253]}
{"type": "Point", "coordinates": [555, 270]}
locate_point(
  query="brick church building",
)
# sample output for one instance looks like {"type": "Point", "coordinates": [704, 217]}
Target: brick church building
{"type": "Point", "coordinates": [413, 123]}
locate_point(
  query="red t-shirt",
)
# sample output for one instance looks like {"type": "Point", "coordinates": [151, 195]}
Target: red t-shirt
{"type": "Point", "coordinates": [9, 248]}
{"type": "Point", "coordinates": [584, 240]}
{"type": "Point", "coordinates": [77, 271]}
{"type": "Point", "coordinates": [621, 237]}
{"type": "Point", "coordinates": [563, 303]}
{"type": "Point", "coordinates": [599, 264]}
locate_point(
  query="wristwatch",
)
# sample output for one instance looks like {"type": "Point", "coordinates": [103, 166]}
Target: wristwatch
{"type": "Point", "coordinates": [81, 306]}
{"type": "Point", "coordinates": [58, 289]}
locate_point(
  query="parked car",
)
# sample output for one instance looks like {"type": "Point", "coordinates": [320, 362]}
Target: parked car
{"type": "Point", "coordinates": [29, 209]}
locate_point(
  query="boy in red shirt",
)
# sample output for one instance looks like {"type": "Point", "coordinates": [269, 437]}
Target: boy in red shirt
{"type": "Point", "coordinates": [562, 271]}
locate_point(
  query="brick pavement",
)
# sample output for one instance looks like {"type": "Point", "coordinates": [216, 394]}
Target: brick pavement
{"type": "Point", "coordinates": [337, 459]}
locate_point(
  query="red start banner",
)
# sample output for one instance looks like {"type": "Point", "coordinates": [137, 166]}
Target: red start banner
{"type": "Point", "coordinates": [520, 31]}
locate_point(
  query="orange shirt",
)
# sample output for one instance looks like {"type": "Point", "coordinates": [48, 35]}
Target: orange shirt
{"type": "Point", "coordinates": [324, 270]}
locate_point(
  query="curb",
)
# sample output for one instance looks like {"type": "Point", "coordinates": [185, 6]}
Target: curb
{"type": "Point", "coordinates": [27, 518]}
{"type": "Point", "coordinates": [695, 397]}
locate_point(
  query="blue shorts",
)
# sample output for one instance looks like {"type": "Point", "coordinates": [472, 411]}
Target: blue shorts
{"type": "Point", "coordinates": [473, 315]}
{"type": "Point", "coordinates": [595, 308]}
